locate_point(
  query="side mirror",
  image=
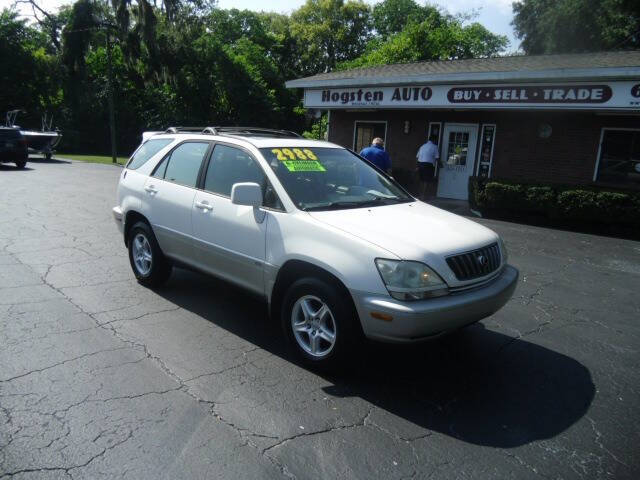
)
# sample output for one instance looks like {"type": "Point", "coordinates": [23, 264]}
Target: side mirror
{"type": "Point", "coordinates": [246, 194]}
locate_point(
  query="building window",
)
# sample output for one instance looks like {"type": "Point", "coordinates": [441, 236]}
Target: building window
{"type": "Point", "coordinates": [619, 160]}
{"type": "Point", "coordinates": [365, 132]}
{"type": "Point", "coordinates": [487, 141]}
{"type": "Point", "coordinates": [458, 148]}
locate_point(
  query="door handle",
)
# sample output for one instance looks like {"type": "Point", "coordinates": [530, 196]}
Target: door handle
{"type": "Point", "coordinates": [151, 189]}
{"type": "Point", "coordinates": [204, 206]}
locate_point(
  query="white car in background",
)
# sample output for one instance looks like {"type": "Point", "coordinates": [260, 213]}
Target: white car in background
{"type": "Point", "coordinates": [338, 249]}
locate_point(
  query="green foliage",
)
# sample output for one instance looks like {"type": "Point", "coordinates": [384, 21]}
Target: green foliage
{"type": "Point", "coordinates": [185, 62]}
{"type": "Point", "coordinates": [329, 32]}
{"type": "Point", "coordinates": [437, 37]}
{"type": "Point", "coordinates": [566, 26]}
{"type": "Point", "coordinates": [391, 16]}
{"type": "Point", "coordinates": [28, 72]}
{"type": "Point", "coordinates": [318, 129]}
{"type": "Point", "coordinates": [500, 194]}
{"type": "Point", "coordinates": [540, 199]}
{"type": "Point", "coordinates": [564, 203]}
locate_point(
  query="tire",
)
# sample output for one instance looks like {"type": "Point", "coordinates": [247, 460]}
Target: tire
{"type": "Point", "coordinates": [48, 155]}
{"type": "Point", "coordinates": [311, 341]}
{"type": "Point", "coordinates": [20, 164]}
{"type": "Point", "coordinates": [148, 263]}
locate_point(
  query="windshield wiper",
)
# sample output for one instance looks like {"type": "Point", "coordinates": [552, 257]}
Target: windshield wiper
{"type": "Point", "coordinates": [332, 206]}
{"type": "Point", "coordinates": [351, 204]}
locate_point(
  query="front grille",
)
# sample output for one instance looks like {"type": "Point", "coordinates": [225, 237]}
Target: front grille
{"type": "Point", "coordinates": [475, 264]}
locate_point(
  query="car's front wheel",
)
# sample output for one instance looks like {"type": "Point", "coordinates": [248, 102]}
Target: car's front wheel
{"type": "Point", "coordinates": [319, 322]}
{"type": "Point", "coordinates": [148, 263]}
{"type": "Point", "coordinates": [21, 164]}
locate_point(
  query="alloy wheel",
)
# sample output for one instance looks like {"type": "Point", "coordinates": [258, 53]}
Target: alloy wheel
{"type": "Point", "coordinates": [313, 325]}
{"type": "Point", "coordinates": [141, 252]}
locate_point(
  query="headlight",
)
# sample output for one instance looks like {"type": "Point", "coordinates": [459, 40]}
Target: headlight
{"type": "Point", "coordinates": [503, 249]}
{"type": "Point", "coordinates": [406, 280]}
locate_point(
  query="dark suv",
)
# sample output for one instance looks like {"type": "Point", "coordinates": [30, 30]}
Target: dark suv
{"type": "Point", "coordinates": [13, 147]}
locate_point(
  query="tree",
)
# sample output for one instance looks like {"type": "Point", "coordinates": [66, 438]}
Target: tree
{"type": "Point", "coordinates": [391, 16]}
{"type": "Point", "coordinates": [568, 26]}
{"type": "Point", "coordinates": [284, 49]}
{"type": "Point", "coordinates": [28, 74]}
{"type": "Point", "coordinates": [439, 37]}
{"type": "Point", "coordinates": [330, 31]}
{"type": "Point", "coordinates": [184, 62]}
{"type": "Point", "coordinates": [49, 23]}
{"type": "Point", "coordinates": [319, 128]}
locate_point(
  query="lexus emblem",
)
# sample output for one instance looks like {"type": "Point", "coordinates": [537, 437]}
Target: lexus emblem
{"type": "Point", "coordinates": [482, 260]}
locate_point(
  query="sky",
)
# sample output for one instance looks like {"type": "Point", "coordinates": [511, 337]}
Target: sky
{"type": "Point", "coordinates": [495, 15]}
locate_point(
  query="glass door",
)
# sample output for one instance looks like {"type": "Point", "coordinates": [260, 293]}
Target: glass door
{"type": "Point", "coordinates": [458, 147]}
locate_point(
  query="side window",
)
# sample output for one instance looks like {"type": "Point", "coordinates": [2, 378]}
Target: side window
{"type": "Point", "coordinates": [271, 199]}
{"type": "Point", "coordinates": [147, 150]}
{"type": "Point", "coordinates": [160, 169]}
{"type": "Point", "coordinates": [184, 162]}
{"type": "Point", "coordinates": [229, 165]}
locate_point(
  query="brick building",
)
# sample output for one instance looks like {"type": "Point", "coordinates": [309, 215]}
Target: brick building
{"type": "Point", "coordinates": [570, 119]}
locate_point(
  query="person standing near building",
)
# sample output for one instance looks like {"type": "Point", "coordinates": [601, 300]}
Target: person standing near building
{"type": "Point", "coordinates": [427, 157]}
{"type": "Point", "coordinates": [377, 155]}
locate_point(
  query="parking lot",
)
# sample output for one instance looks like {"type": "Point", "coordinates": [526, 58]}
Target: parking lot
{"type": "Point", "coordinates": [101, 377]}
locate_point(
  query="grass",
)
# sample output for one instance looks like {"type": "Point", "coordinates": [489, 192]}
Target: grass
{"type": "Point", "coordinates": [91, 158]}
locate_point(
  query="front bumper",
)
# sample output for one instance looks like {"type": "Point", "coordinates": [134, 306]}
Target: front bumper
{"type": "Point", "coordinates": [420, 320]}
{"type": "Point", "coordinates": [118, 217]}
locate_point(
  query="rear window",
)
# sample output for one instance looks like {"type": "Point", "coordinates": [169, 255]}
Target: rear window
{"type": "Point", "coordinates": [147, 150]}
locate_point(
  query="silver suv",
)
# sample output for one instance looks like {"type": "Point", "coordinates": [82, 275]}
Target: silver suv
{"type": "Point", "coordinates": [339, 250]}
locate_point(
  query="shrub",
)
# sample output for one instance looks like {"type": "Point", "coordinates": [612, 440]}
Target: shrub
{"type": "Point", "coordinates": [564, 203]}
{"type": "Point", "coordinates": [542, 199]}
{"type": "Point", "coordinates": [577, 204]}
{"type": "Point", "coordinates": [505, 194]}
{"type": "Point", "coordinates": [615, 206]}
{"type": "Point", "coordinates": [477, 199]}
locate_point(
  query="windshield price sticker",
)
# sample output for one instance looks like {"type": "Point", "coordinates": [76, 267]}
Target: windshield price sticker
{"type": "Point", "coordinates": [298, 159]}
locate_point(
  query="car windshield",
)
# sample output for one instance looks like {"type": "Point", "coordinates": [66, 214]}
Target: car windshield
{"type": "Point", "coordinates": [331, 178]}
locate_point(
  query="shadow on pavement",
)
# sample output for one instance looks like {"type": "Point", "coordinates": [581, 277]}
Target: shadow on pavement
{"type": "Point", "coordinates": [44, 160]}
{"type": "Point", "coordinates": [477, 385]}
{"type": "Point", "coordinates": [12, 167]}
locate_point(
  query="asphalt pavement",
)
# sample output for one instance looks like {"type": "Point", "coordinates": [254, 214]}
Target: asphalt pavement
{"type": "Point", "coordinates": [103, 378]}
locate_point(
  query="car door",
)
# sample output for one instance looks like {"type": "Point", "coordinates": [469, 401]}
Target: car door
{"type": "Point", "coordinates": [168, 198]}
{"type": "Point", "coordinates": [230, 239]}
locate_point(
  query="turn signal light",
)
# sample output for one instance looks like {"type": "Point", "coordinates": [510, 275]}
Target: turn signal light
{"type": "Point", "coordinates": [382, 316]}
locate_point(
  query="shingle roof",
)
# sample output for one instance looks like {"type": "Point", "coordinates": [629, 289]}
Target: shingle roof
{"type": "Point", "coordinates": [522, 67]}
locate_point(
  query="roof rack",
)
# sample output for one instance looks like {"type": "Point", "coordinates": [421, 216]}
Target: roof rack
{"type": "Point", "coordinates": [258, 131]}
{"type": "Point", "coordinates": [267, 132]}
{"type": "Point", "coordinates": [184, 130]}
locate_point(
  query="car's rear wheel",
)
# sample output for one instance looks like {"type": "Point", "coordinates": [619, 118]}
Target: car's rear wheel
{"type": "Point", "coordinates": [319, 322]}
{"type": "Point", "coordinates": [21, 164]}
{"type": "Point", "coordinates": [148, 263]}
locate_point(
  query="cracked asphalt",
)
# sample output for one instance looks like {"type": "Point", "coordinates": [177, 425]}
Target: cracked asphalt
{"type": "Point", "coordinates": [102, 378]}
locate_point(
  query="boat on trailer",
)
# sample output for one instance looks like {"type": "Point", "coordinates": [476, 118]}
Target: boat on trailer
{"type": "Point", "coordinates": [44, 141]}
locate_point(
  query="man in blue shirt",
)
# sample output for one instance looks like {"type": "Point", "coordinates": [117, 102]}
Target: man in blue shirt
{"type": "Point", "coordinates": [377, 155]}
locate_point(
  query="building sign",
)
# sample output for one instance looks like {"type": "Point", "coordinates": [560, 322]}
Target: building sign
{"type": "Point", "coordinates": [366, 97]}
{"type": "Point", "coordinates": [531, 94]}
{"type": "Point", "coordinates": [570, 96]}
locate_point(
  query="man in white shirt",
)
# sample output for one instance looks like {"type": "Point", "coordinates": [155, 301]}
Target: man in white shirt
{"type": "Point", "coordinates": [427, 157]}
